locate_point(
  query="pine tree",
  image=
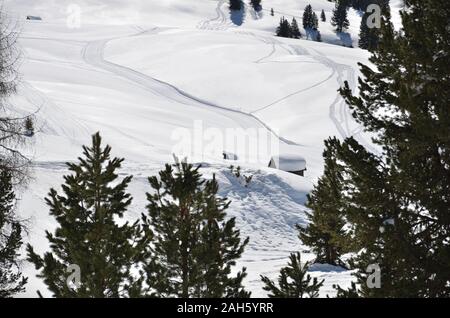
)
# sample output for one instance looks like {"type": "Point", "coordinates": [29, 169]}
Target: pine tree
{"type": "Point", "coordinates": [308, 18]}
{"type": "Point", "coordinates": [361, 5]}
{"type": "Point", "coordinates": [339, 19]}
{"type": "Point", "coordinates": [29, 127]}
{"type": "Point", "coordinates": [11, 279]}
{"type": "Point", "coordinates": [256, 4]}
{"type": "Point", "coordinates": [315, 20]}
{"type": "Point", "coordinates": [293, 281]}
{"type": "Point", "coordinates": [351, 292]}
{"type": "Point", "coordinates": [194, 247]}
{"type": "Point", "coordinates": [284, 29]}
{"type": "Point", "coordinates": [325, 233]}
{"type": "Point", "coordinates": [279, 31]}
{"type": "Point", "coordinates": [315, 34]}
{"type": "Point", "coordinates": [364, 34]}
{"type": "Point", "coordinates": [235, 5]}
{"type": "Point", "coordinates": [401, 195]}
{"type": "Point", "coordinates": [323, 17]}
{"type": "Point", "coordinates": [88, 235]}
{"type": "Point", "coordinates": [369, 37]}
{"type": "Point", "coordinates": [295, 29]}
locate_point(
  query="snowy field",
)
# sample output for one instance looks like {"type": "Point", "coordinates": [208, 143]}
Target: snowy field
{"type": "Point", "coordinates": [146, 73]}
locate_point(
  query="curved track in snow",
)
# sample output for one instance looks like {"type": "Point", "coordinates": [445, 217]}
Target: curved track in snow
{"type": "Point", "coordinates": [217, 23]}
{"type": "Point", "coordinates": [338, 115]}
{"type": "Point", "coordinates": [339, 112]}
{"type": "Point", "coordinates": [93, 54]}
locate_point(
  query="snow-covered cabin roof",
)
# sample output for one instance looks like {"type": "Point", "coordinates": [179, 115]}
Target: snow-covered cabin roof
{"type": "Point", "coordinates": [288, 162]}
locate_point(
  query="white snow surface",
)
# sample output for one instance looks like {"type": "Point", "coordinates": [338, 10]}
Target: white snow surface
{"type": "Point", "coordinates": [143, 72]}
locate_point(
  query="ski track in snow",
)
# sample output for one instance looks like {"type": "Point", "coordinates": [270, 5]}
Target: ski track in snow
{"type": "Point", "coordinates": [339, 111]}
{"type": "Point", "coordinates": [93, 55]}
{"type": "Point", "coordinates": [51, 115]}
{"type": "Point", "coordinates": [217, 23]}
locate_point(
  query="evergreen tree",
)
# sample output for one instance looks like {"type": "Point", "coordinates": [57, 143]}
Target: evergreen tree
{"type": "Point", "coordinates": [401, 195]}
{"type": "Point", "coordinates": [310, 23]}
{"type": "Point", "coordinates": [325, 233]}
{"type": "Point", "coordinates": [360, 5]}
{"type": "Point", "coordinates": [88, 234]}
{"type": "Point", "coordinates": [11, 279]}
{"type": "Point", "coordinates": [339, 19]}
{"type": "Point", "coordinates": [256, 4]}
{"type": "Point", "coordinates": [369, 37]}
{"type": "Point", "coordinates": [235, 5]}
{"type": "Point", "coordinates": [293, 281]}
{"type": "Point", "coordinates": [279, 31]}
{"type": "Point", "coordinates": [295, 29]}
{"type": "Point", "coordinates": [308, 18]}
{"type": "Point", "coordinates": [315, 20]}
{"type": "Point", "coordinates": [351, 292]}
{"type": "Point", "coordinates": [323, 17]}
{"type": "Point", "coordinates": [29, 127]}
{"type": "Point", "coordinates": [364, 34]}
{"type": "Point", "coordinates": [194, 247]}
{"type": "Point", "coordinates": [284, 29]}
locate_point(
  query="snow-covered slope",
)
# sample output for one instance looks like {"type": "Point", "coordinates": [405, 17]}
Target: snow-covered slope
{"type": "Point", "coordinates": [146, 72]}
